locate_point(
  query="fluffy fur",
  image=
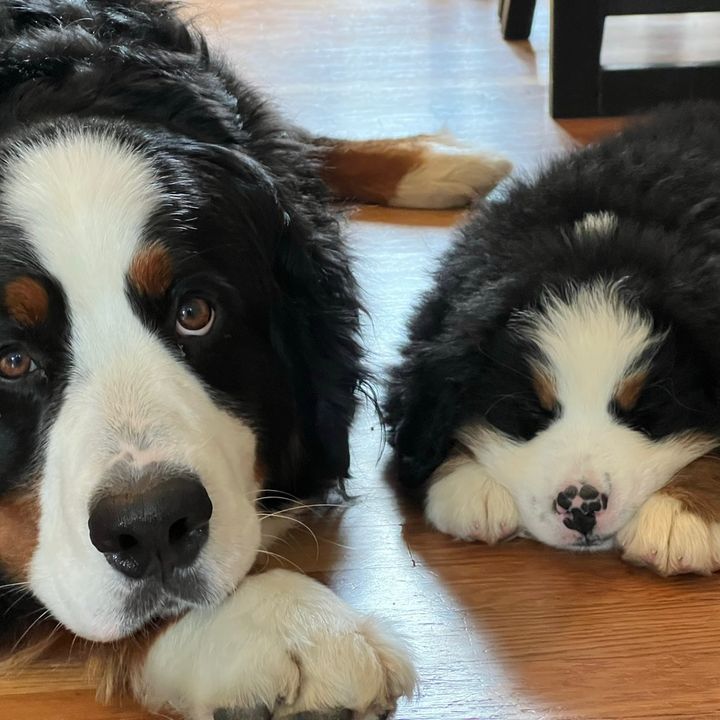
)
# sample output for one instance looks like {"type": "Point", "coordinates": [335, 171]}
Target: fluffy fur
{"type": "Point", "coordinates": [143, 186]}
{"type": "Point", "coordinates": [565, 364]}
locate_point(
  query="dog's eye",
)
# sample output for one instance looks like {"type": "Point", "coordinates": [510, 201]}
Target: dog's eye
{"type": "Point", "coordinates": [15, 364]}
{"type": "Point", "coordinates": [195, 316]}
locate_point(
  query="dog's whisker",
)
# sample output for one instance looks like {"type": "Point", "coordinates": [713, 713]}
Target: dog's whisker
{"type": "Point", "coordinates": [309, 529]}
{"type": "Point", "coordinates": [44, 614]}
{"type": "Point", "coordinates": [282, 559]}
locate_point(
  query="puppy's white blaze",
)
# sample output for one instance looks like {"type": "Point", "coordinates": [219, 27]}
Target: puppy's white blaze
{"type": "Point", "coordinates": [282, 641]}
{"type": "Point", "coordinates": [83, 201]}
{"type": "Point", "coordinates": [590, 342]}
{"type": "Point", "coordinates": [600, 223]}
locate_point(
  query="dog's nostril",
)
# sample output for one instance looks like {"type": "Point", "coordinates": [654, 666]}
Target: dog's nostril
{"type": "Point", "coordinates": [178, 530]}
{"type": "Point", "coordinates": [126, 541]}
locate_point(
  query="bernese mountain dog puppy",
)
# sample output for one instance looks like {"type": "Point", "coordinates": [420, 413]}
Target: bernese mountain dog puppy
{"type": "Point", "coordinates": [179, 359]}
{"type": "Point", "coordinates": [564, 369]}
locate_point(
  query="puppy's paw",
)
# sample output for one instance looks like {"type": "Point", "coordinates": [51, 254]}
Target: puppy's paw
{"type": "Point", "coordinates": [283, 647]}
{"type": "Point", "coordinates": [669, 539]}
{"type": "Point", "coordinates": [464, 502]}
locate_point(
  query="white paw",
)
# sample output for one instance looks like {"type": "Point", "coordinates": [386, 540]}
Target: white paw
{"type": "Point", "coordinates": [665, 537]}
{"type": "Point", "coordinates": [464, 502]}
{"type": "Point", "coordinates": [283, 645]}
{"type": "Point", "coordinates": [450, 175]}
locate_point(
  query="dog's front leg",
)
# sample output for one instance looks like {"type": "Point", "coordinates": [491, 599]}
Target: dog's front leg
{"type": "Point", "coordinates": [283, 646]}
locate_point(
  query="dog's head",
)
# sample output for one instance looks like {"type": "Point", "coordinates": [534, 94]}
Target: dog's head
{"type": "Point", "coordinates": [590, 406]}
{"type": "Point", "coordinates": [579, 388]}
{"type": "Point", "coordinates": [177, 334]}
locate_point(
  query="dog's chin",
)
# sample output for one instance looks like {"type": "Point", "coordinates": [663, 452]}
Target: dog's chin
{"type": "Point", "coordinates": [154, 603]}
{"type": "Point", "coordinates": [594, 543]}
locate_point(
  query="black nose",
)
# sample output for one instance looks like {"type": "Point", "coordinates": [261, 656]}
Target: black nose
{"type": "Point", "coordinates": [581, 521]}
{"type": "Point", "coordinates": [158, 523]}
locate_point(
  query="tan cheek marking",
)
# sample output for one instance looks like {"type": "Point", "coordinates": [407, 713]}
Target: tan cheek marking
{"type": "Point", "coordinates": [151, 271]}
{"type": "Point", "coordinates": [26, 301]}
{"type": "Point", "coordinates": [697, 487]}
{"type": "Point", "coordinates": [19, 513]}
{"type": "Point", "coordinates": [628, 392]}
{"type": "Point", "coordinates": [544, 389]}
{"type": "Point", "coordinates": [260, 471]}
{"type": "Point", "coordinates": [370, 171]}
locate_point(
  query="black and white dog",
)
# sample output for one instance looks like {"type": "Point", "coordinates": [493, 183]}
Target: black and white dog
{"type": "Point", "coordinates": [178, 353]}
{"type": "Point", "coordinates": [566, 364]}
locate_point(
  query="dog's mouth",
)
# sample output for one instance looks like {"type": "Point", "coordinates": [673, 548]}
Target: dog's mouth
{"type": "Point", "coordinates": [155, 599]}
{"type": "Point", "coordinates": [593, 543]}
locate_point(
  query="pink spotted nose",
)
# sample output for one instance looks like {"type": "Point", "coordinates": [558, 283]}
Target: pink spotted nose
{"type": "Point", "coordinates": [579, 505]}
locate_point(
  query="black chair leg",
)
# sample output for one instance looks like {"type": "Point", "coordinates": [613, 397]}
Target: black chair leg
{"type": "Point", "coordinates": [577, 32]}
{"type": "Point", "coordinates": [516, 18]}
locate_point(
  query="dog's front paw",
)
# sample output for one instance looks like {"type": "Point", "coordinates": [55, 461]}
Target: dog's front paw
{"type": "Point", "coordinates": [464, 502]}
{"type": "Point", "coordinates": [671, 540]}
{"type": "Point", "coordinates": [284, 646]}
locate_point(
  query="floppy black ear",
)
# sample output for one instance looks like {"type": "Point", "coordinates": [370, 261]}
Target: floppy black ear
{"type": "Point", "coordinates": [313, 311]}
{"type": "Point", "coordinates": [315, 332]}
{"type": "Point", "coordinates": [422, 409]}
{"type": "Point", "coordinates": [436, 386]}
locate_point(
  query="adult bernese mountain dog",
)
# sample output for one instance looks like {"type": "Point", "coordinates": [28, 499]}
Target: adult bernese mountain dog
{"type": "Point", "coordinates": [179, 358]}
{"type": "Point", "coordinates": [563, 373]}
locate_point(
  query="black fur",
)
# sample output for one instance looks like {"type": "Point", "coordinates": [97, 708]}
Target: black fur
{"type": "Point", "coordinates": [662, 180]}
{"type": "Point", "coordinates": [249, 223]}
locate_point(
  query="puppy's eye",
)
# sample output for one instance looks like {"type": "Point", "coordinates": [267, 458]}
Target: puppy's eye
{"type": "Point", "coordinates": [15, 364]}
{"type": "Point", "coordinates": [195, 316]}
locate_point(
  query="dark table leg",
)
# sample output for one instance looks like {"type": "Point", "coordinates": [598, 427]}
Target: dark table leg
{"type": "Point", "coordinates": [576, 40]}
{"type": "Point", "coordinates": [516, 18]}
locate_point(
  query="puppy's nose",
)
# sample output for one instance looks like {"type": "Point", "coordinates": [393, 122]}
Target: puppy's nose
{"type": "Point", "coordinates": [157, 524]}
{"type": "Point", "coordinates": [580, 521]}
{"type": "Point", "coordinates": [578, 506]}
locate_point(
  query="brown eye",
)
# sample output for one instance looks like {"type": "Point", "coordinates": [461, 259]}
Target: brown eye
{"type": "Point", "coordinates": [15, 364]}
{"type": "Point", "coordinates": [195, 316]}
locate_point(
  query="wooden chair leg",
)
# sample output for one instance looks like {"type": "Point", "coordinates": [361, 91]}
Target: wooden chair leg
{"type": "Point", "coordinates": [576, 39]}
{"type": "Point", "coordinates": [516, 18]}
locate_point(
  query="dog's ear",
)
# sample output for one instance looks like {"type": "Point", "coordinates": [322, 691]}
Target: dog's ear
{"type": "Point", "coordinates": [436, 387]}
{"type": "Point", "coordinates": [313, 312]}
{"type": "Point", "coordinates": [423, 404]}
{"type": "Point", "coordinates": [315, 332]}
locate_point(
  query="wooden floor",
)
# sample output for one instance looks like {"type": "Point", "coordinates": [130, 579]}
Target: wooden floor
{"type": "Point", "coordinates": [512, 632]}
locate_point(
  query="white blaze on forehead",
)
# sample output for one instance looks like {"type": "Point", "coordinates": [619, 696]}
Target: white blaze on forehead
{"type": "Point", "coordinates": [83, 199]}
{"type": "Point", "coordinates": [589, 341]}
{"type": "Point", "coordinates": [599, 223]}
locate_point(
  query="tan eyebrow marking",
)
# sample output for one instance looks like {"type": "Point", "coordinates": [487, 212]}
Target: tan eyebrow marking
{"type": "Point", "coordinates": [629, 389]}
{"type": "Point", "coordinates": [151, 271]}
{"type": "Point", "coordinates": [26, 301]}
{"type": "Point", "coordinates": [544, 389]}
